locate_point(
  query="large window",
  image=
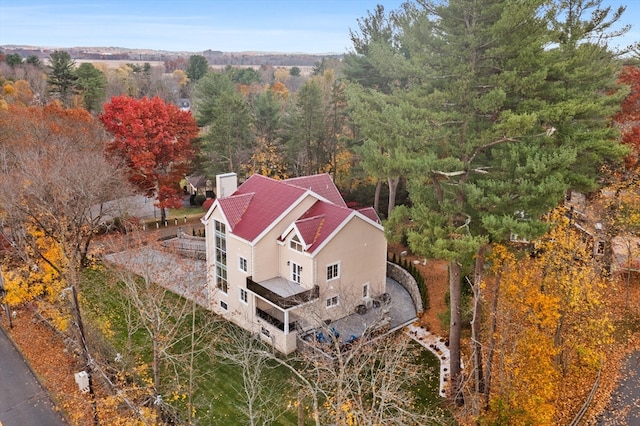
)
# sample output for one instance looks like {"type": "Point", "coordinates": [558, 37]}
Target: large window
{"type": "Point", "coordinates": [295, 243]}
{"type": "Point", "coordinates": [221, 256]}
{"type": "Point", "coordinates": [333, 271]}
{"type": "Point", "coordinates": [296, 273]}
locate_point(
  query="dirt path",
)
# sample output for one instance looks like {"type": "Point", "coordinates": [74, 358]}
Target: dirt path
{"type": "Point", "coordinates": [435, 276]}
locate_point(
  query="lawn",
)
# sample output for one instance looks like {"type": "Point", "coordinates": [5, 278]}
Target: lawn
{"type": "Point", "coordinates": [219, 383]}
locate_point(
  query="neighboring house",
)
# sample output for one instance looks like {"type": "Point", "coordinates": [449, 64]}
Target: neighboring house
{"type": "Point", "coordinates": [620, 253]}
{"type": "Point", "coordinates": [199, 185]}
{"type": "Point", "coordinates": [285, 257]}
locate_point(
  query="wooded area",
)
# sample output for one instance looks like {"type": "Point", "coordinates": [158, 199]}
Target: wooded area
{"type": "Point", "coordinates": [467, 125]}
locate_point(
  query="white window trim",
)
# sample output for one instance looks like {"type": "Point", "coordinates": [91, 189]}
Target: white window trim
{"type": "Point", "coordinates": [298, 272]}
{"type": "Point", "coordinates": [297, 242]}
{"type": "Point", "coordinates": [366, 291]}
{"type": "Point", "coordinates": [329, 302]}
{"type": "Point", "coordinates": [242, 261]}
{"type": "Point", "coordinates": [246, 295]}
{"type": "Point", "coordinates": [331, 265]}
{"type": "Point", "coordinates": [224, 305]}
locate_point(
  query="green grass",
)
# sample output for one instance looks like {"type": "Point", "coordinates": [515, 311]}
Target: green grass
{"type": "Point", "coordinates": [216, 394]}
{"type": "Point", "coordinates": [185, 211]}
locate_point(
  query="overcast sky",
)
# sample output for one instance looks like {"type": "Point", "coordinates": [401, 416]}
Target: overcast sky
{"type": "Point", "coordinates": [311, 26]}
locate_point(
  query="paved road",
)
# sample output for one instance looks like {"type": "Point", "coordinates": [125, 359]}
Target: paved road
{"type": "Point", "coordinates": [23, 401]}
{"type": "Point", "coordinates": [624, 408]}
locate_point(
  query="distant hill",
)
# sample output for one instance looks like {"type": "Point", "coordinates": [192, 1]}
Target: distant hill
{"type": "Point", "coordinates": [138, 55]}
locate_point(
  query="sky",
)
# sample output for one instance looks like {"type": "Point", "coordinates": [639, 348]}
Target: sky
{"type": "Point", "coordinates": [292, 26]}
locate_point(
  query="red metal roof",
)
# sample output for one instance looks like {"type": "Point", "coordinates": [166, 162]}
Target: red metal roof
{"type": "Point", "coordinates": [371, 213]}
{"type": "Point", "coordinates": [260, 200]}
{"type": "Point", "coordinates": [322, 185]}
{"type": "Point", "coordinates": [332, 217]}
{"type": "Point", "coordinates": [234, 207]}
{"type": "Point", "coordinates": [269, 199]}
{"type": "Point", "coordinates": [309, 228]}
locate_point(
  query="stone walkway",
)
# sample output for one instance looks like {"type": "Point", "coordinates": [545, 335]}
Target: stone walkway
{"type": "Point", "coordinates": [437, 346]}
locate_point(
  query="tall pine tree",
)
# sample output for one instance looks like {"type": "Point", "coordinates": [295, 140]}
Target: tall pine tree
{"type": "Point", "coordinates": [513, 98]}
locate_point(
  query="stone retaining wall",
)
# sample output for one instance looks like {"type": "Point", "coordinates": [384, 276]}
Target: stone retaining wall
{"type": "Point", "coordinates": [407, 281]}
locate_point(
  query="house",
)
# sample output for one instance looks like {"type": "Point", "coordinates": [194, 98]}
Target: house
{"type": "Point", "coordinates": [284, 257]}
{"type": "Point", "coordinates": [198, 185]}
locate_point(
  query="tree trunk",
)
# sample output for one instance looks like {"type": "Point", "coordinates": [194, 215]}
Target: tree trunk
{"type": "Point", "coordinates": [476, 324]}
{"type": "Point", "coordinates": [492, 342]}
{"type": "Point", "coordinates": [300, 409]}
{"type": "Point", "coordinates": [376, 196]}
{"type": "Point", "coordinates": [393, 189]}
{"type": "Point", "coordinates": [85, 353]}
{"type": "Point", "coordinates": [163, 216]}
{"type": "Point", "coordinates": [156, 376]}
{"type": "Point", "coordinates": [191, 364]}
{"type": "Point", "coordinates": [455, 328]}
{"type": "Point", "coordinates": [3, 293]}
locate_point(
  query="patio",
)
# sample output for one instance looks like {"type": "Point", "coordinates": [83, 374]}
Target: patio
{"type": "Point", "coordinates": [396, 313]}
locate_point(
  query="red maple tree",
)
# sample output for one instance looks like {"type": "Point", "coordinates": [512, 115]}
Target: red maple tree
{"type": "Point", "coordinates": [629, 115]}
{"type": "Point", "coordinates": [153, 139]}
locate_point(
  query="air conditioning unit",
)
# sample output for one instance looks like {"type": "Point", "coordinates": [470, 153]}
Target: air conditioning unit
{"type": "Point", "coordinates": [368, 302]}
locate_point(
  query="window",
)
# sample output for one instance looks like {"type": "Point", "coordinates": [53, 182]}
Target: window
{"type": "Point", "coordinates": [224, 305]}
{"type": "Point", "coordinates": [242, 264]}
{"type": "Point", "coordinates": [600, 246]}
{"type": "Point", "coordinates": [221, 279]}
{"type": "Point", "coordinates": [296, 273]}
{"type": "Point", "coordinates": [365, 291]}
{"type": "Point", "coordinates": [243, 295]}
{"type": "Point", "coordinates": [333, 271]}
{"type": "Point", "coordinates": [265, 332]}
{"type": "Point", "coordinates": [332, 301]}
{"type": "Point", "coordinates": [295, 243]}
{"type": "Point", "coordinates": [220, 238]}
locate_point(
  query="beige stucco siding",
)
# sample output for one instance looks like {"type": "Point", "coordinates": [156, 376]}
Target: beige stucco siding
{"type": "Point", "coordinates": [267, 260]}
{"type": "Point", "coordinates": [360, 250]}
{"type": "Point", "coordinates": [236, 278]}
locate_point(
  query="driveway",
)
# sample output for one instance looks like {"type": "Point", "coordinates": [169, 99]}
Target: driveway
{"type": "Point", "coordinates": [624, 406]}
{"type": "Point", "coordinates": [23, 400]}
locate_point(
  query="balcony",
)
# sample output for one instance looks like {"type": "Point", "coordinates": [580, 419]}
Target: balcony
{"type": "Point", "coordinates": [273, 320]}
{"type": "Point", "coordinates": [283, 293]}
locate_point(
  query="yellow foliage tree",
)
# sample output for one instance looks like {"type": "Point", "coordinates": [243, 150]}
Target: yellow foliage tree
{"type": "Point", "coordinates": [39, 281]}
{"type": "Point", "coordinates": [181, 77]}
{"type": "Point", "coordinates": [526, 380]}
{"type": "Point", "coordinates": [267, 160]}
{"type": "Point", "coordinates": [551, 330]}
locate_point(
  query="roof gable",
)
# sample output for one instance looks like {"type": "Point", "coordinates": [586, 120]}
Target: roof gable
{"type": "Point", "coordinates": [309, 229]}
{"type": "Point", "coordinates": [234, 207]}
{"type": "Point", "coordinates": [322, 185]}
{"type": "Point", "coordinates": [326, 217]}
{"type": "Point", "coordinates": [370, 213]}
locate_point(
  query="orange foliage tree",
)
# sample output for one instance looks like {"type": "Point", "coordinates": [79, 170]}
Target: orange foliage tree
{"type": "Point", "coordinates": [55, 183]}
{"type": "Point", "coordinates": [153, 140]}
{"type": "Point", "coordinates": [629, 115]}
